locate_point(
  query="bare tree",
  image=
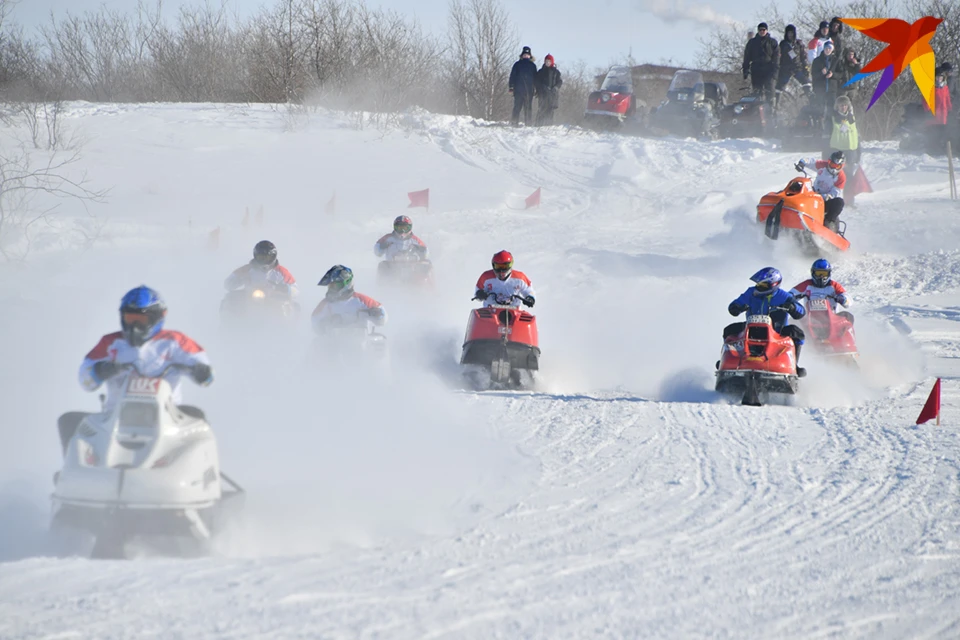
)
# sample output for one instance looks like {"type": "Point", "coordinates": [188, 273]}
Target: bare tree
{"type": "Point", "coordinates": [484, 44]}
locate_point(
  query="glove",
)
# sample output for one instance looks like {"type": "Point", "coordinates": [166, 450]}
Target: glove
{"type": "Point", "coordinates": [106, 369]}
{"type": "Point", "coordinates": [842, 299]}
{"type": "Point", "coordinates": [801, 164]}
{"type": "Point", "coordinates": [481, 295]}
{"type": "Point", "coordinates": [529, 301]}
{"type": "Point", "coordinates": [202, 373]}
{"type": "Point", "coordinates": [375, 312]}
{"type": "Point", "coordinates": [736, 309]}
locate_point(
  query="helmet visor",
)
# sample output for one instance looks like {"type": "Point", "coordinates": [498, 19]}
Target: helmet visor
{"type": "Point", "coordinates": [764, 285]}
{"type": "Point", "coordinates": [502, 267]}
{"type": "Point", "coordinates": [820, 274]}
{"type": "Point", "coordinates": [403, 228]}
{"type": "Point", "coordinates": [131, 318]}
{"type": "Point", "coordinates": [264, 259]}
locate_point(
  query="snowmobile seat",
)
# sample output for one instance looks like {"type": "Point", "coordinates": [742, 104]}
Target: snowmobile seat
{"type": "Point", "coordinates": [193, 412]}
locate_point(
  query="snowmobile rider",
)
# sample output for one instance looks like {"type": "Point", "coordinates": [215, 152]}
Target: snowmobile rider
{"type": "Point", "coordinates": [766, 298]}
{"type": "Point", "coordinates": [401, 240]}
{"type": "Point", "coordinates": [500, 284]}
{"type": "Point", "coordinates": [142, 345]}
{"type": "Point", "coordinates": [829, 184]}
{"type": "Point", "coordinates": [263, 270]}
{"type": "Point", "coordinates": [342, 306]}
{"type": "Point", "coordinates": [820, 286]}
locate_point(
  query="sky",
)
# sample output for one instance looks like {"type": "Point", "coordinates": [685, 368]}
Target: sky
{"type": "Point", "coordinates": [597, 32]}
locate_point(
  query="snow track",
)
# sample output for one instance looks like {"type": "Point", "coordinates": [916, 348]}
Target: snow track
{"type": "Point", "coordinates": [622, 499]}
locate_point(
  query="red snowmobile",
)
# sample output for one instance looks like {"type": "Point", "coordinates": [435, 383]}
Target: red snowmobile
{"type": "Point", "coordinates": [501, 340]}
{"type": "Point", "coordinates": [830, 333]}
{"type": "Point", "coordinates": [757, 362]}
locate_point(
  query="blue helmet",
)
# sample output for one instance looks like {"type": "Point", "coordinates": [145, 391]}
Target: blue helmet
{"type": "Point", "coordinates": [142, 312]}
{"type": "Point", "coordinates": [820, 272]}
{"type": "Point", "coordinates": [339, 282]}
{"type": "Point", "coordinates": [767, 280]}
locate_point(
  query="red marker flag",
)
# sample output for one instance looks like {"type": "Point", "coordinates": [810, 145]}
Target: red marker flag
{"type": "Point", "coordinates": [213, 239]}
{"type": "Point", "coordinates": [931, 410]}
{"type": "Point", "coordinates": [859, 183]}
{"type": "Point", "coordinates": [331, 207]}
{"type": "Point", "coordinates": [419, 199]}
{"type": "Point", "coordinates": [533, 200]}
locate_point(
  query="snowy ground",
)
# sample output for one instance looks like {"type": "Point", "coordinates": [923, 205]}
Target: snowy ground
{"type": "Point", "coordinates": [622, 499]}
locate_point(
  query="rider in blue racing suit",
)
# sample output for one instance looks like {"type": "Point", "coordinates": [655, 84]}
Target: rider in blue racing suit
{"type": "Point", "coordinates": [766, 298]}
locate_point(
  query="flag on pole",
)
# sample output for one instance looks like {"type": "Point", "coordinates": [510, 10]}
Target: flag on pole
{"type": "Point", "coordinates": [931, 409]}
{"type": "Point", "coordinates": [859, 183]}
{"type": "Point", "coordinates": [331, 207]}
{"type": "Point", "coordinates": [419, 199]}
{"type": "Point", "coordinates": [246, 217]}
{"type": "Point", "coordinates": [259, 217]}
{"type": "Point", "coordinates": [533, 200]}
{"type": "Point", "coordinates": [213, 239]}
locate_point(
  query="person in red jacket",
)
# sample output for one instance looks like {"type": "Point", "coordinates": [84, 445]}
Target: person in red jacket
{"type": "Point", "coordinates": [500, 284]}
{"type": "Point", "coordinates": [941, 100]}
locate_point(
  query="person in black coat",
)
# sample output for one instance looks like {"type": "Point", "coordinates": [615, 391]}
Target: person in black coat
{"type": "Point", "coordinates": [522, 85]}
{"type": "Point", "coordinates": [823, 70]}
{"type": "Point", "coordinates": [836, 35]}
{"type": "Point", "coordinates": [793, 61]}
{"type": "Point", "coordinates": [761, 62]}
{"type": "Point", "coordinates": [548, 91]}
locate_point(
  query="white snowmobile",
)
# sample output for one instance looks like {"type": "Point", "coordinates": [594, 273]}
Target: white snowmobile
{"type": "Point", "coordinates": [342, 338]}
{"type": "Point", "coordinates": [146, 468]}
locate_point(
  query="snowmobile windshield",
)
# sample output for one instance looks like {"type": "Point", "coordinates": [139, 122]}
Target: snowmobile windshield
{"type": "Point", "coordinates": [618, 80]}
{"type": "Point", "coordinates": [142, 415]}
{"type": "Point", "coordinates": [686, 80]}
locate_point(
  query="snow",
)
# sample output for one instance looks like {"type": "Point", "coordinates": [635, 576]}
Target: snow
{"type": "Point", "coordinates": [621, 498]}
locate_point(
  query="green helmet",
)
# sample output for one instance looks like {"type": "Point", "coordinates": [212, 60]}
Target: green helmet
{"type": "Point", "coordinates": [339, 282]}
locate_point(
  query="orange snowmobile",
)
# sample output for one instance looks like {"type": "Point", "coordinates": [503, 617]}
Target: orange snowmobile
{"type": "Point", "coordinates": [799, 209]}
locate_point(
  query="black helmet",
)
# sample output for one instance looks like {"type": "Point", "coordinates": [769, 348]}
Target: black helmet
{"type": "Point", "coordinates": [265, 254]}
{"type": "Point", "coordinates": [836, 160]}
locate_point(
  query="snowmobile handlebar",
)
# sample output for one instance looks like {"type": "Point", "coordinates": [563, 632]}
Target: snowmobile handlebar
{"type": "Point", "coordinates": [132, 368]}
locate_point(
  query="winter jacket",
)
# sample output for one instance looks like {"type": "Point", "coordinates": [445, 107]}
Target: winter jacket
{"type": "Point", "coordinates": [500, 291]}
{"type": "Point", "coordinates": [845, 70]}
{"type": "Point", "coordinates": [834, 291]}
{"type": "Point", "coordinates": [548, 84]}
{"type": "Point", "coordinates": [523, 78]}
{"type": "Point", "coordinates": [837, 35]}
{"type": "Point", "coordinates": [943, 104]}
{"type": "Point", "coordinates": [757, 303]}
{"type": "Point", "coordinates": [252, 275]}
{"type": "Point", "coordinates": [357, 310]}
{"type": "Point", "coordinates": [844, 135]}
{"type": "Point", "coordinates": [392, 244]}
{"type": "Point", "coordinates": [821, 83]}
{"type": "Point", "coordinates": [827, 184]}
{"type": "Point", "coordinates": [815, 47]}
{"type": "Point", "coordinates": [761, 56]}
{"type": "Point", "coordinates": [150, 359]}
{"type": "Point", "coordinates": [793, 53]}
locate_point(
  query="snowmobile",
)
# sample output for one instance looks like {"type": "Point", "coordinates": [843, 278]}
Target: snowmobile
{"type": "Point", "coordinates": [692, 107]}
{"type": "Point", "coordinates": [146, 468]}
{"type": "Point", "coordinates": [807, 132]}
{"type": "Point", "coordinates": [502, 342]}
{"type": "Point", "coordinates": [799, 209]}
{"type": "Point", "coordinates": [757, 362]}
{"type": "Point", "coordinates": [751, 117]}
{"type": "Point", "coordinates": [258, 306]}
{"type": "Point", "coordinates": [830, 333]}
{"type": "Point", "coordinates": [615, 103]}
{"type": "Point", "coordinates": [406, 268]}
{"type": "Point", "coordinates": [342, 339]}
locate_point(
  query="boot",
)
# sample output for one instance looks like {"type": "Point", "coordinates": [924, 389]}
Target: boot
{"type": "Point", "coordinates": [801, 372]}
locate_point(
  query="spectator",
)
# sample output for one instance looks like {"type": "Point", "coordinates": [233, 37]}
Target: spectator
{"type": "Point", "coordinates": [815, 46]}
{"type": "Point", "coordinates": [847, 67]}
{"type": "Point", "coordinates": [941, 100]}
{"type": "Point", "coordinates": [793, 61]}
{"type": "Point", "coordinates": [548, 90]}
{"type": "Point", "coordinates": [761, 62]}
{"type": "Point", "coordinates": [824, 80]}
{"type": "Point", "coordinates": [522, 81]}
{"type": "Point", "coordinates": [836, 34]}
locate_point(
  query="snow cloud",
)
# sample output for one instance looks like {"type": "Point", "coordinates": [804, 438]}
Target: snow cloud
{"type": "Point", "coordinates": [679, 11]}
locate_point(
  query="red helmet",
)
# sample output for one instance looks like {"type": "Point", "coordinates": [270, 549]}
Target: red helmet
{"type": "Point", "coordinates": [502, 264]}
{"type": "Point", "coordinates": [402, 226]}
